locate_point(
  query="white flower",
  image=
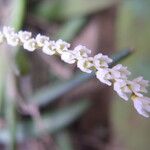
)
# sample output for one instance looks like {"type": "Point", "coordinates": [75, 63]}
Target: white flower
{"type": "Point", "coordinates": [30, 45]}
{"type": "Point", "coordinates": [138, 85]}
{"type": "Point", "coordinates": [122, 89]}
{"type": "Point", "coordinates": [7, 31]}
{"type": "Point", "coordinates": [101, 60]}
{"type": "Point", "coordinates": [119, 72]}
{"type": "Point", "coordinates": [68, 57]}
{"type": "Point", "coordinates": [85, 64]}
{"type": "Point", "coordinates": [49, 48]}
{"type": "Point", "coordinates": [104, 76]}
{"type": "Point", "coordinates": [143, 84]}
{"type": "Point", "coordinates": [81, 52]}
{"type": "Point", "coordinates": [13, 39]}
{"type": "Point", "coordinates": [142, 105]}
{"type": "Point", "coordinates": [24, 36]}
{"type": "Point", "coordinates": [41, 40]}
{"type": "Point", "coordinates": [1, 37]}
{"type": "Point", "coordinates": [61, 46]}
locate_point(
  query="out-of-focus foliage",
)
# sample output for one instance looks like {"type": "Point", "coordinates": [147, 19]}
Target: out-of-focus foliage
{"type": "Point", "coordinates": [133, 30]}
{"type": "Point", "coordinates": [51, 122]}
{"type": "Point", "coordinates": [65, 9]}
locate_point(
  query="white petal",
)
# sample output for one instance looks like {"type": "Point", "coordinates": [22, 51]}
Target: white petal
{"type": "Point", "coordinates": [49, 48]}
{"type": "Point", "coordinates": [119, 71]}
{"type": "Point", "coordinates": [13, 39]}
{"type": "Point", "coordinates": [103, 76]}
{"type": "Point", "coordinates": [85, 65]}
{"type": "Point", "coordinates": [41, 39]}
{"type": "Point", "coordinates": [139, 107]}
{"type": "Point", "coordinates": [1, 37]}
{"type": "Point", "coordinates": [81, 52]}
{"type": "Point", "coordinates": [68, 57]}
{"type": "Point", "coordinates": [61, 46]}
{"type": "Point", "coordinates": [101, 60]}
{"type": "Point", "coordinates": [120, 86]}
{"type": "Point", "coordinates": [143, 83]}
{"type": "Point", "coordinates": [24, 36]}
{"type": "Point", "coordinates": [146, 103]}
{"type": "Point", "coordinates": [30, 45]}
{"type": "Point", "coordinates": [7, 31]}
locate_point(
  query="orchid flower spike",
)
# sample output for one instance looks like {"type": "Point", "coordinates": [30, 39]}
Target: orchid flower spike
{"type": "Point", "coordinates": [116, 76]}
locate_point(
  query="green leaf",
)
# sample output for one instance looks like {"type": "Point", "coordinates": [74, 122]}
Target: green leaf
{"type": "Point", "coordinates": [49, 9]}
{"type": "Point", "coordinates": [71, 28]}
{"type": "Point", "coordinates": [65, 9]}
{"type": "Point", "coordinates": [52, 122]}
{"type": "Point", "coordinates": [18, 13]}
{"type": "Point", "coordinates": [10, 109]}
{"type": "Point", "coordinates": [22, 62]}
{"type": "Point", "coordinates": [76, 8]}
{"type": "Point", "coordinates": [49, 94]}
{"type": "Point", "coordinates": [63, 140]}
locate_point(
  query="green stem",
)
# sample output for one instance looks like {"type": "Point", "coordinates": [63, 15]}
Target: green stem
{"type": "Point", "coordinates": [10, 110]}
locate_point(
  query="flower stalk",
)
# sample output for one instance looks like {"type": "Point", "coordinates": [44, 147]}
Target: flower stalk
{"type": "Point", "coordinates": [116, 76]}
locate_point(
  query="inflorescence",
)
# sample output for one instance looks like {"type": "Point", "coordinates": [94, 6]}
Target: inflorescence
{"type": "Point", "coordinates": [116, 76]}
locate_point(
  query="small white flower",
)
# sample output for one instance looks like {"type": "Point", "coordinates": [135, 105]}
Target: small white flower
{"type": "Point", "coordinates": [135, 87]}
{"type": "Point", "coordinates": [81, 52]}
{"type": "Point", "coordinates": [143, 84]}
{"type": "Point", "coordinates": [138, 85]}
{"type": "Point", "coordinates": [13, 39]}
{"type": "Point", "coordinates": [122, 89]}
{"type": "Point", "coordinates": [85, 64]}
{"type": "Point", "coordinates": [104, 76]}
{"type": "Point", "coordinates": [24, 36]}
{"type": "Point", "coordinates": [142, 105]}
{"type": "Point", "coordinates": [101, 60]}
{"type": "Point", "coordinates": [1, 37]}
{"type": "Point", "coordinates": [49, 48]}
{"type": "Point", "coordinates": [68, 57]}
{"type": "Point", "coordinates": [30, 45]}
{"type": "Point", "coordinates": [61, 46]}
{"type": "Point", "coordinates": [41, 40]}
{"type": "Point", "coordinates": [7, 31]}
{"type": "Point", "coordinates": [119, 72]}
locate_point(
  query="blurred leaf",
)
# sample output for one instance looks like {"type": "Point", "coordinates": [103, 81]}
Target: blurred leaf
{"type": "Point", "coordinates": [10, 109]}
{"type": "Point", "coordinates": [63, 140]}
{"type": "Point", "coordinates": [15, 20]}
{"type": "Point", "coordinates": [3, 71]}
{"type": "Point", "coordinates": [62, 117]}
{"type": "Point", "coordinates": [71, 28]}
{"type": "Point", "coordinates": [18, 13]}
{"type": "Point", "coordinates": [49, 94]}
{"type": "Point", "coordinates": [22, 62]}
{"type": "Point", "coordinates": [51, 123]}
{"type": "Point", "coordinates": [49, 9]}
{"type": "Point", "coordinates": [64, 9]}
{"type": "Point", "coordinates": [74, 8]}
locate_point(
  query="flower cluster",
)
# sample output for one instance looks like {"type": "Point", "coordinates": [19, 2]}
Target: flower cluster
{"type": "Point", "coordinates": [116, 76]}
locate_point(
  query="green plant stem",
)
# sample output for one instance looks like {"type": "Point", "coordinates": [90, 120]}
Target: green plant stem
{"type": "Point", "coordinates": [10, 109]}
{"type": "Point", "coordinates": [8, 75]}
